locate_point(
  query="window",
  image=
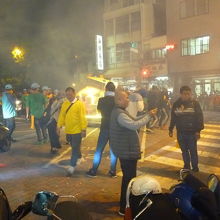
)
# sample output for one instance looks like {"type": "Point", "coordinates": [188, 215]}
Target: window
{"type": "Point", "coordinates": [136, 21]}
{"type": "Point", "coordinates": [158, 53]}
{"type": "Point", "coordinates": [127, 3]}
{"type": "Point", "coordinates": [122, 24]}
{"type": "Point", "coordinates": [109, 27]}
{"type": "Point", "coordinates": [195, 46]}
{"type": "Point", "coordinates": [110, 56]}
{"type": "Point", "coordinates": [202, 7]}
{"type": "Point", "coordinates": [123, 53]}
{"type": "Point", "coordinates": [189, 8]}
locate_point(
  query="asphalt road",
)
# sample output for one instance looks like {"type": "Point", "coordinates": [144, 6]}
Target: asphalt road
{"type": "Point", "coordinates": [30, 168]}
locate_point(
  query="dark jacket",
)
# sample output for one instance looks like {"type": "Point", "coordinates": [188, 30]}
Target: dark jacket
{"type": "Point", "coordinates": [124, 142]}
{"type": "Point", "coordinates": [187, 116]}
{"type": "Point", "coordinates": [105, 106]}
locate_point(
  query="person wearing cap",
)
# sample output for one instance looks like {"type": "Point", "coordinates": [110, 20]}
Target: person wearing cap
{"type": "Point", "coordinates": [36, 105]}
{"type": "Point", "coordinates": [9, 109]}
{"type": "Point", "coordinates": [45, 91]}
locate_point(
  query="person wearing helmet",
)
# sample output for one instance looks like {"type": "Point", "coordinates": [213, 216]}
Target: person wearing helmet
{"type": "Point", "coordinates": [124, 141]}
{"type": "Point", "coordinates": [35, 105]}
{"type": "Point", "coordinates": [9, 109]}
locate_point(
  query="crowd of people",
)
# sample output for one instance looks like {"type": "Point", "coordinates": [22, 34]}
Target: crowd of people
{"type": "Point", "coordinates": [123, 114]}
{"type": "Point", "coordinates": [210, 102]}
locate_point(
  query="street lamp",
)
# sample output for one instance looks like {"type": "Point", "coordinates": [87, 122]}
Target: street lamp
{"type": "Point", "coordinates": [18, 54]}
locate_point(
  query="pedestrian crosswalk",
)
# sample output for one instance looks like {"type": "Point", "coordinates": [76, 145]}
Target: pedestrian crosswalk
{"type": "Point", "coordinates": [208, 151]}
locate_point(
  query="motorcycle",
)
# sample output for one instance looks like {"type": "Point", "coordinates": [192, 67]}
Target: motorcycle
{"type": "Point", "coordinates": [189, 200]}
{"type": "Point", "coordinates": [5, 143]}
{"type": "Point", "coordinates": [45, 204]}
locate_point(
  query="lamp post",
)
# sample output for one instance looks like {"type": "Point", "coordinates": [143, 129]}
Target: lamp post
{"type": "Point", "coordinates": [18, 54]}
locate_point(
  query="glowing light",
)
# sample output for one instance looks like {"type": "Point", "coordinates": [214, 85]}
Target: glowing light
{"type": "Point", "coordinates": [170, 47]}
{"type": "Point", "coordinates": [99, 53]}
{"type": "Point", "coordinates": [90, 96]}
{"type": "Point", "coordinates": [18, 54]}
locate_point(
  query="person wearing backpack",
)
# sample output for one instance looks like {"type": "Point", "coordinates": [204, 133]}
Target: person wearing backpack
{"type": "Point", "coordinates": [187, 116]}
{"type": "Point", "coordinates": [73, 117]}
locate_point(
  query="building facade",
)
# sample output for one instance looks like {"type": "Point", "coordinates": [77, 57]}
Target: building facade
{"type": "Point", "coordinates": [193, 27]}
{"type": "Point", "coordinates": [134, 36]}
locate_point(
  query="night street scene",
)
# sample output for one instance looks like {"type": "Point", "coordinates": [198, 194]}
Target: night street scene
{"type": "Point", "coordinates": [109, 109]}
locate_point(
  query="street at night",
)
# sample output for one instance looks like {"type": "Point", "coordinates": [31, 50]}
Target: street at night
{"type": "Point", "coordinates": [30, 168]}
{"type": "Point", "coordinates": [109, 109]}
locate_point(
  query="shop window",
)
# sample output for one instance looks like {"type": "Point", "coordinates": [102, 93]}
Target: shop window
{"type": "Point", "coordinates": [122, 24]}
{"type": "Point", "coordinates": [217, 87]}
{"type": "Point", "coordinates": [195, 46]}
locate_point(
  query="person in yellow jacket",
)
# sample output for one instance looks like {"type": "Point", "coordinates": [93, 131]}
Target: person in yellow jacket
{"type": "Point", "coordinates": [73, 117]}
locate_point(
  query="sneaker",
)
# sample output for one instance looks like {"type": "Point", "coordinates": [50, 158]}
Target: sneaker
{"type": "Point", "coordinates": [121, 213]}
{"type": "Point", "coordinates": [70, 170]}
{"type": "Point", "coordinates": [91, 173]}
{"type": "Point", "coordinates": [112, 174]}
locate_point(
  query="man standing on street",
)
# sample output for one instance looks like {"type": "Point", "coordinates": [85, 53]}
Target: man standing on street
{"type": "Point", "coordinates": [105, 106]}
{"type": "Point", "coordinates": [187, 116]}
{"type": "Point", "coordinates": [36, 104]}
{"type": "Point", "coordinates": [124, 141]}
{"type": "Point", "coordinates": [8, 110]}
{"type": "Point", "coordinates": [73, 117]}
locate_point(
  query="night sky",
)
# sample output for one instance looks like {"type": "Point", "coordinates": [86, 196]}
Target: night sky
{"type": "Point", "coordinates": [52, 33]}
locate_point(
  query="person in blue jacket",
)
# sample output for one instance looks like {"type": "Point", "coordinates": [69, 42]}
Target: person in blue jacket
{"type": "Point", "coordinates": [9, 110]}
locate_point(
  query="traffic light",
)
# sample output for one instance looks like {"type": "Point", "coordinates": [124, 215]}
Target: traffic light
{"type": "Point", "coordinates": [145, 73]}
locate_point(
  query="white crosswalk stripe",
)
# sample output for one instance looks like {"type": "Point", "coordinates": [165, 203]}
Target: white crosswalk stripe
{"type": "Point", "coordinates": [171, 155]}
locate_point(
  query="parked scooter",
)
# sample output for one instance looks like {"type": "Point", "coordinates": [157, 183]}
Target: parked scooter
{"type": "Point", "coordinates": [45, 204]}
{"type": "Point", "coordinates": [189, 200]}
{"type": "Point", "coordinates": [5, 143]}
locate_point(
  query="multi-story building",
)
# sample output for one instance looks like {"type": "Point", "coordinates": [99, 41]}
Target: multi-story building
{"type": "Point", "coordinates": [134, 33]}
{"type": "Point", "coordinates": [193, 27]}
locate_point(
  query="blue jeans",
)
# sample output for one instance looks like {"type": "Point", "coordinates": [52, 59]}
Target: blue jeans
{"type": "Point", "coordinates": [75, 142]}
{"type": "Point", "coordinates": [102, 141]}
{"type": "Point", "coordinates": [188, 145]}
{"type": "Point", "coordinates": [10, 124]}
